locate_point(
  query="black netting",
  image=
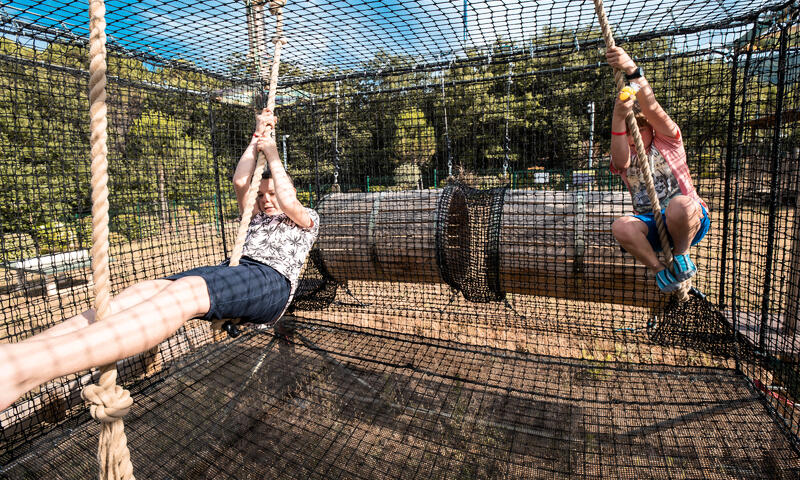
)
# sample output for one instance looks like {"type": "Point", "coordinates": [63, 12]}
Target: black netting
{"type": "Point", "coordinates": [466, 311]}
{"type": "Point", "coordinates": [317, 288]}
{"type": "Point", "coordinates": [468, 240]}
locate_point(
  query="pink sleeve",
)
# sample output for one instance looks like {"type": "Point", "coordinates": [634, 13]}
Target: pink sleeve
{"type": "Point", "coordinates": [673, 142]}
{"type": "Point", "coordinates": [612, 168]}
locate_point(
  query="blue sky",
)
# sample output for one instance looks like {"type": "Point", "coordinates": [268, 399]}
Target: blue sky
{"type": "Point", "coordinates": [346, 33]}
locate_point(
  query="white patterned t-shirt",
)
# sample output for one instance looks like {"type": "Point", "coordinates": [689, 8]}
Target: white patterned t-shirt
{"type": "Point", "coordinates": [277, 241]}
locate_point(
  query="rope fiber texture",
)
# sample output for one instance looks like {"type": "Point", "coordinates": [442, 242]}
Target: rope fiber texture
{"type": "Point", "coordinates": [110, 402]}
{"type": "Point", "coordinates": [641, 154]}
{"type": "Point", "coordinates": [276, 8]}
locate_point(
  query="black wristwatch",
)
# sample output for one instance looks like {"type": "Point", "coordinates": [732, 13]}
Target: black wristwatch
{"type": "Point", "coordinates": [638, 73]}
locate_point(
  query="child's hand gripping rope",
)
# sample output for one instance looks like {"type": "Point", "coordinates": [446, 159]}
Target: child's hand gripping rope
{"type": "Point", "coordinates": [629, 91]}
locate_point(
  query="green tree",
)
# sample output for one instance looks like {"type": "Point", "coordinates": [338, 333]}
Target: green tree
{"type": "Point", "coordinates": [414, 145]}
{"type": "Point", "coordinates": [164, 163]}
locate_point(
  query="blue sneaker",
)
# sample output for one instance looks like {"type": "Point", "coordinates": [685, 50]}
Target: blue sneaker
{"type": "Point", "coordinates": [684, 267]}
{"type": "Point", "coordinates": [666, 281]}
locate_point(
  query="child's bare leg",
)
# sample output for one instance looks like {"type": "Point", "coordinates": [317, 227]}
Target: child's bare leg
{"type": "Point", "coordinates": [25, 365]}
{"type": "Point", "coordinates": [631, 233]}
{"type": "Point", "coordinates": [683, 217]}
{"type": "Point", "coordinates": [126, 299]}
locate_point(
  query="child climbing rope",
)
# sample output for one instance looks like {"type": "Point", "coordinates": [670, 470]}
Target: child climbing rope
{"type": "Point", "coordinates": [258, 290]}
{"type": "Point", "coordinates": [685, 213]}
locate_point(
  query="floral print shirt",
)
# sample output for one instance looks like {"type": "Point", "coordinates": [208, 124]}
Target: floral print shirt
{"type": "Point", "coordinates": [277, 241]}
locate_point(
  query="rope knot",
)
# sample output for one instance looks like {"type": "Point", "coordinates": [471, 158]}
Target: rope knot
{"type": "Point", "coordinates": [279, 39]}
{"type": "Point", "coordinates": [109, 402]}
{"type": "Point", "coordinates": [275, 6]}
{"type": "Point", "coordinates": [683, 293]}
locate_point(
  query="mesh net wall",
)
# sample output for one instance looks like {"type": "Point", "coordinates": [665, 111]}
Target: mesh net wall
{"type": "Point", "coordinates": [466, 311]}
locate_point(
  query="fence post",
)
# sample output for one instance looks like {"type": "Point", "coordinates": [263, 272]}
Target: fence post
{"type": "Point", "coordinates": [729, 151]}
{"type": "Point", "coordinates": [217, 187]}
{"type": "Point", "coordinates": [175, 216]}
{"type": "Point", "coordinates": [775, 154]}
{"type": "Point", "coordinates": [216, 211]}
{"type": "Point", "coordinates": [139, 220]}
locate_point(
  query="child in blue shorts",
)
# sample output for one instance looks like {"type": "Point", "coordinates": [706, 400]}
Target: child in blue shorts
{"type": "Point", "coordinates": [258, 290]}
{"type": "Point", "coordinates": [685, 213]}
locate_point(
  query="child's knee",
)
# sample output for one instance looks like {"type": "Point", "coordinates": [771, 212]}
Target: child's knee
{"type": "Point", "coordinates": [624, 229]}
{"type": "Point", "coordinates": [682, 209]}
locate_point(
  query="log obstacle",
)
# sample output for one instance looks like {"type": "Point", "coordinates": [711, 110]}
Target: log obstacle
{"type": "Point", "coordinates": [386, 236]}
{"type": "Point", "coordinates": [559, 244]}
{"type": "Point", "coordinates": [531, 242]}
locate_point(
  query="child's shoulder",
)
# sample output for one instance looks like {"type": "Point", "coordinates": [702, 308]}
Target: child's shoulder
{"type": "Point", "coordinates": [670, 140]}
{"type": "Point", "coordinates": [669, 146]}
{"type": "Point", "coordinates": [314, 218]}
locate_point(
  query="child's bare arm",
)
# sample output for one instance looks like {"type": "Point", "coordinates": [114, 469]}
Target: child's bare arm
{"type": "Point", "coordinates": [285, 193]}
{"type": "Point", "coordinates": [243, 174]}
{"type": "Point", "coordinates": [656, 116]}
{"type": "Point", "coordinates": [620, 150]}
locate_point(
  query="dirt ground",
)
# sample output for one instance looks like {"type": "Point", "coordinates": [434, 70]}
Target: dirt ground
{"type": "Point", "coordinates": [591, 335]}
{"type": "Point", "coordinates": [352, 404]}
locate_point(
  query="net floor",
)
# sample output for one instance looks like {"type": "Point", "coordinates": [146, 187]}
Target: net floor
{"type": "Point", "coordinates": [354, 404]}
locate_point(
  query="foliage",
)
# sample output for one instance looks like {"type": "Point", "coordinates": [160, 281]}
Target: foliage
{"type": "Point", "coordinates": [408, 175]}
{"type": "Point", "coordinates": [116, 238]}
{"type": "Point", "coordinates": [135, 227]}
{"type": "Point", "coordinates": [185, 215]}
{"type": "Point", "coordinates": [54, 237]}
{"type": "Point", "coordinates": [166, 157]}
{"type": "Point", "coordinates": [304, 198]}
{"type": "Point", "coordinates": [230, 208]}
{"type": "Point", "coordinates": [414, 140]}
{"type": "Point", "coordinates": [16, 246]}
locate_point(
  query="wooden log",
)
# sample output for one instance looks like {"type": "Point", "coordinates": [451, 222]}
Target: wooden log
{"type": "Point", "coordinates": [565, 249]}
{"type": "Point", "coordinates": [552, 243]}
{"type": "Point", "coordinates": [380, 236]}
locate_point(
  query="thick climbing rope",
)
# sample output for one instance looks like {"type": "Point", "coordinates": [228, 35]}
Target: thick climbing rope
{"type": "Point", "coordinates": [506, 114]}
{"type": "Point", "coordinates": [275, 8]}
{"type": "Point", "coordinates": [335, 188]}
{"type": "Point", "coordinates": [641, 154]}
{"type": "Point", "coordinates": [446, 131]}
{"type": "Point", "coordinates": [109, 401]}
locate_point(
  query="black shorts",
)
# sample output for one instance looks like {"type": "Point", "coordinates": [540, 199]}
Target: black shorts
{"type": "Point", "coordinates": [251, 291]}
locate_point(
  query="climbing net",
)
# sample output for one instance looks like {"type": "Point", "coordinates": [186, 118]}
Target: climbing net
{"type": "Point", "coordinates": [466, 308]}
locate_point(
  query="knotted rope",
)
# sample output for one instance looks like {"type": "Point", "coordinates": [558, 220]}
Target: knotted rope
{"type": "Point", "coordinates": [110, 402]}
{"type": "Point", "coordinates": [641, 155]}
{"type": "Point", "coordinates": [275, 8]}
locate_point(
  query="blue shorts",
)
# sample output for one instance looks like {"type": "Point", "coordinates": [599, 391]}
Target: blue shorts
{"type": "Point", "coordinates": [251, 291]}
{"type": "Point", "coordinates": [652, 229]}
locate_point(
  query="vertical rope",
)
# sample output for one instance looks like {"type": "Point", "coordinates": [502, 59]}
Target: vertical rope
{"type": "Point", "coordinates": [446, 131]}
{"type": "Point", "coordinates": [641, 154]}
{"type": "Point", "coordinates": [109, 401]}
{"type": "Point", "coordinates": [275, 8]}
{"type": "Point", "coordinates": [506, 114]}
{"type": "Point", "coordinates": [335, 188]}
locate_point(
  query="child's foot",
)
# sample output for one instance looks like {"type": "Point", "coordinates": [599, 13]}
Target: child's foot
{"type": "Point", "coordinates": [666, 281]}
{"type": "Point", "coordinates": [684, 267]}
